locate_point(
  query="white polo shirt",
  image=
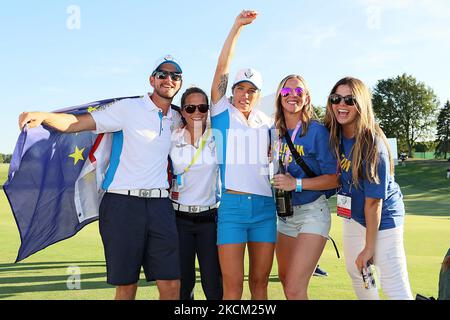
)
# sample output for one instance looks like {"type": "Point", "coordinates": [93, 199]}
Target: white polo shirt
{"type": "Point", "coordinates": [242, 148]}
{"type": "Point", "coordinates": [200, 183]}
{"type": "Point", "coordinates": [141, 143]}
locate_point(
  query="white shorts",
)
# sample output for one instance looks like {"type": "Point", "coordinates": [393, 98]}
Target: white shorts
{"type": "Point", "coordinates": [312, 218]}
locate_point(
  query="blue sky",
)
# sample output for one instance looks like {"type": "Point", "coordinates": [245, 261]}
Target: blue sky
{"type": "Point", "coordinates": [47, 64]}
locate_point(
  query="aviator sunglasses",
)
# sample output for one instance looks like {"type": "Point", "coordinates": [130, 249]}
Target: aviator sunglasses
{"type": "Point", "coordinates": [284, 92]}
{"type": "Point", "coordinates": [336, 99]}
{"type": "Point", "coordinates": [161, 75]}
{"type": "Point", "coordinates": [190, 108]}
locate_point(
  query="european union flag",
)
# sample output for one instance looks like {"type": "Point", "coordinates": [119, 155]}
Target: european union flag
{"type": "Point", "coordinates": [40, 188]}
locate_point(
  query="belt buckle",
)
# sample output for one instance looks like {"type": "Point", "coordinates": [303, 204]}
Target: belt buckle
{"type": "Point", "coordinates": [145, 193]}
{"type": "Point", "coordinates": [194, 209]}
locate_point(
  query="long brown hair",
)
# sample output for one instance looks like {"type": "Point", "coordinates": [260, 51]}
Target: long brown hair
{"type": "Point", "coordinates": [307, 113]}
{"type": "Point", "coordinates": [366, 133]}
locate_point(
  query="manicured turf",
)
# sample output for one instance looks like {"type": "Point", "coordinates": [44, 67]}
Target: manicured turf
{"type": "Point", "coordinates": [45, 274]}
{"type": "Point", "coordinates": [3, 172]}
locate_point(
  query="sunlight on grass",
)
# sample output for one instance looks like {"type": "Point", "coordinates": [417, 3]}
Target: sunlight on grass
{"type": "Point", "coordinates": [44, 275]}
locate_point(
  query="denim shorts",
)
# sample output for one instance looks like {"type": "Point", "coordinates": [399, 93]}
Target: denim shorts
{"type": "Point", "coordinates": [312, 218]}
{"type": "Point", "coordinates": [246, 218]}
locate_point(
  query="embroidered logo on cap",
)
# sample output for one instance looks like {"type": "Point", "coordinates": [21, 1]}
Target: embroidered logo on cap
{"type": "Point", "coordinates": [248, 73]}
{"type": "Point", "coordinates": [168, 58]}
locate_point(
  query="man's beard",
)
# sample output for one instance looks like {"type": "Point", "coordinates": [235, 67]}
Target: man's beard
{"type": "Point", "coordinates": [166, 95]}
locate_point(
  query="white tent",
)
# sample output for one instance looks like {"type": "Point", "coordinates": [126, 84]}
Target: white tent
{"type": "Point", "coordinates": [267, 105]}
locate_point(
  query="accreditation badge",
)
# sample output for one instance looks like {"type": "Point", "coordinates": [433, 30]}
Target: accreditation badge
{"type": "Point", "coordinates": [174, 191]}
{"type": "Point", "coordinates": [344, 205]}
{"type": "Point", "coordinates": [180, 180]}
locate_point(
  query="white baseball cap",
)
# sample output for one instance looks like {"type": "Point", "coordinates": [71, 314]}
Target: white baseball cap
{"type": "Point", "coordinates": [167, 59]}
{"type": "Point", "coordinates": [249, 75]}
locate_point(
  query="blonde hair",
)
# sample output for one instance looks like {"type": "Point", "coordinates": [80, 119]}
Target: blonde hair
{"type": "Point", "coordinates": [366, 133]}
{"type": "Point", "coordinates": [308, 113]}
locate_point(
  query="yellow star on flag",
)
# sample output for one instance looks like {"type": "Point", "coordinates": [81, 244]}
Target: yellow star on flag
{"type": "Point", "coordinates": [77, 155]}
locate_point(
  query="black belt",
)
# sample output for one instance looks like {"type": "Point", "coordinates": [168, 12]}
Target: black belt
{"type": "Point", "coordinates": [206, 216]}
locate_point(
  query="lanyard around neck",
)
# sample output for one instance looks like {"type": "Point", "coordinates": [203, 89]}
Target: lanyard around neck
{"type": "Point", "coordinates": [342, 154]}
{"type": "Point", "coordinates": [288, 152]}
{"type": "Point", "coordinates": [199, 150]}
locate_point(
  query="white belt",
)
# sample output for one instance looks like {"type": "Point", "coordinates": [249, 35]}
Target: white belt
{"type": "Point", "coordinates": [193, 209]}
{"type": "Point", "coordinates": [143, 193]}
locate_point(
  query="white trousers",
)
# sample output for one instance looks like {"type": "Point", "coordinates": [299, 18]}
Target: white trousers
{"type": "Point", "coordinates": [389, 261]}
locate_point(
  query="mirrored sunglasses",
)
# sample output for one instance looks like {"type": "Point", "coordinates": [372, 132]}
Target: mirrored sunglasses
{"type": "Point", "coordinates": [162, 75]}
{"type": "Point", "coordinates": [284, 92]}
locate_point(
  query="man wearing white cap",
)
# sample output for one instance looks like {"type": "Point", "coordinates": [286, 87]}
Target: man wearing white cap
{"type": "Point", "coordinates": [246, 215]}
{"type": "Point", "coordinates": [136, 220]}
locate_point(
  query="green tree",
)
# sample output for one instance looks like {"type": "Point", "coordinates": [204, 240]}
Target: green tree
{"type": "Point", "coordinates": [2, 158]}
{"type": "Point", "coordinates": [443, 132]}
{"type": "Point", "coordinates": [405, 108]}
{"type": "Point", "coordinates": [320, 112]}
{"type": "Point", "coordinates": [421, 147]}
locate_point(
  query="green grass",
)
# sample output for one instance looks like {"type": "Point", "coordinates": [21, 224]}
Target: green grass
{"type": "Point", "coordinates": [44, 275]}
{"type": "Point", "coordinates": [3, 173]}
{"type": "Point", "coordinates": [425, 187]}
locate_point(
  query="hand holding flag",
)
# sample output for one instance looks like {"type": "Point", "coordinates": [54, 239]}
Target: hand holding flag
{"type": "Point", "coordinates": [54, 185]}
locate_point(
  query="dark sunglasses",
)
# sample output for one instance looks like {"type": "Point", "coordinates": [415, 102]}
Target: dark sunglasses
{"type": "Point", "coordinates": [190, 108]}
{"type": "Point", "coordinates": [336, 99]}
{"type": "Point", "coordinates": [284, 92]}
{"type": "Point", "coordinates": [161, 75]}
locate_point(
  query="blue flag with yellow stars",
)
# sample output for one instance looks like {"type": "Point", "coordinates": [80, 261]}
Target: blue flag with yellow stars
{"type": "Point", "coordinates": [41, 182]}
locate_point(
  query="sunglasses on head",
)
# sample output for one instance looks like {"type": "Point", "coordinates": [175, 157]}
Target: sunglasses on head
{"type": "Point", "coordinates": [161, 75]}
{"type": "Point", "coordinates": [190, 108]}
{"type": "Point", "coordinates": [284, 92]}
{"type": "Point", "coordinates": [337, 98]}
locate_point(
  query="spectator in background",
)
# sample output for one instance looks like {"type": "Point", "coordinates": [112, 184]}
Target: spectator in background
{"type": "Point", "coordinates": [444, 279]}
{"type": "Point", "coordinates": [403, 158]}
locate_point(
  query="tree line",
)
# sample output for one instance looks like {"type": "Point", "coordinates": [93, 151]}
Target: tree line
{"type": "Point", "coordinates": [5, 158]}
{"type": "Point", "coordinates": [410, 111]}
